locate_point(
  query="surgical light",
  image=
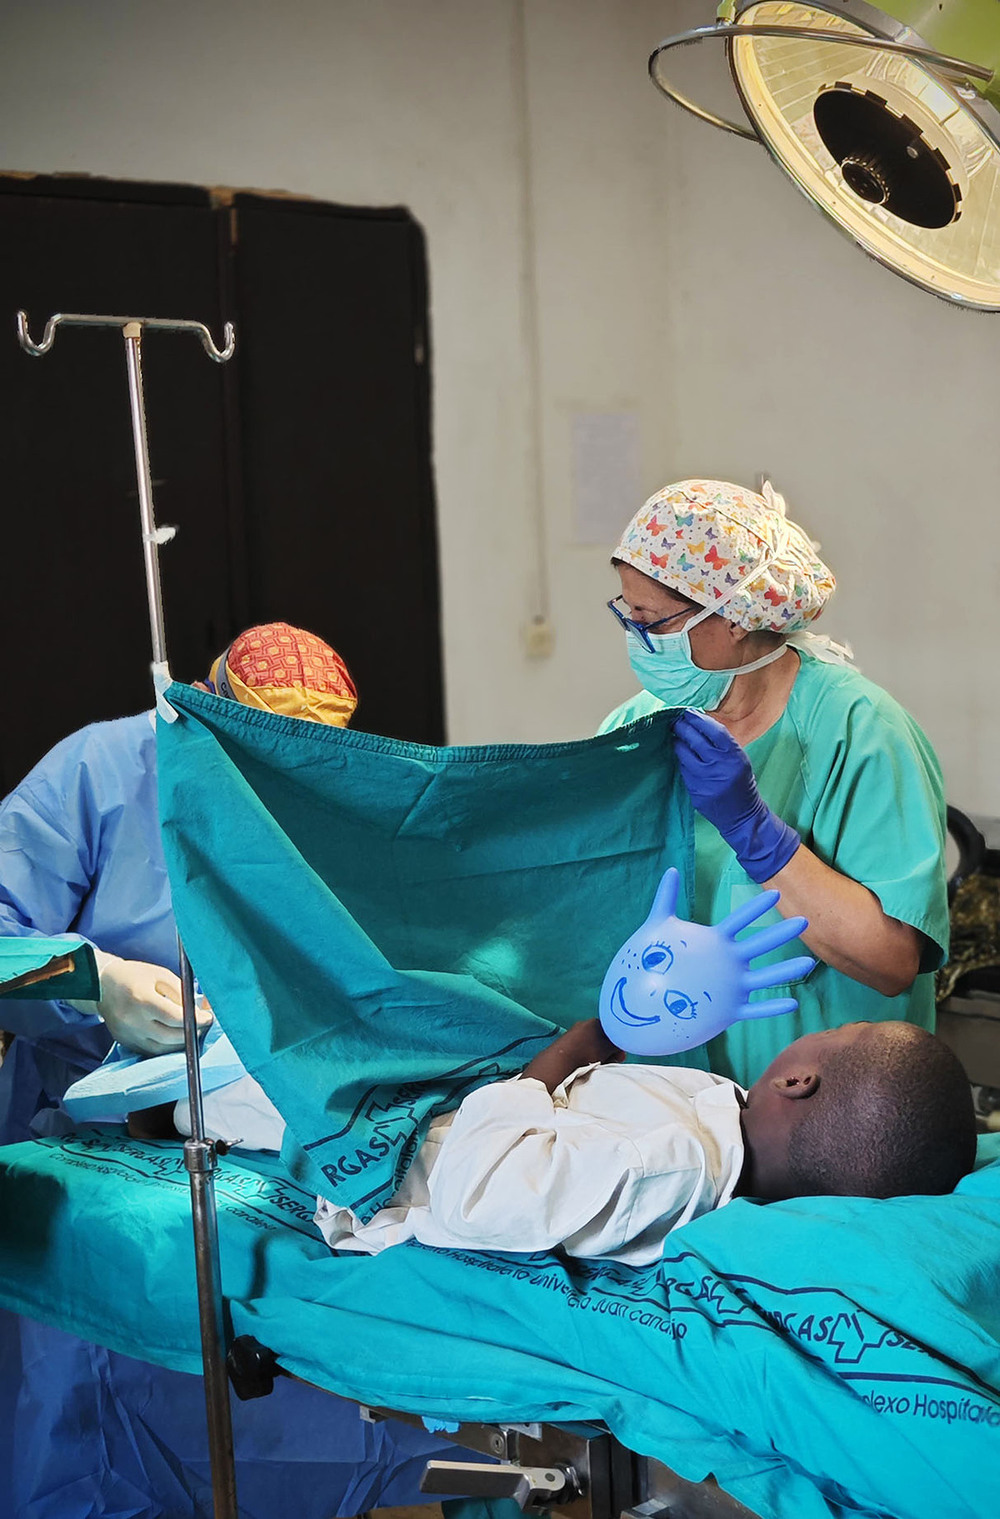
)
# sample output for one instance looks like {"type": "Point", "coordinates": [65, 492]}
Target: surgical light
{"type": "Point", "coordinates": [886, 118]}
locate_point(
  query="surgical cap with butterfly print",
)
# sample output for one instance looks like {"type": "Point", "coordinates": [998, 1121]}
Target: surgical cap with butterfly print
{"type": "Point", "coordinates": [721, 543]}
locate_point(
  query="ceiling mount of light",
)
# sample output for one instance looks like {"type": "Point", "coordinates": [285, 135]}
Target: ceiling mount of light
{"type": "Point", "coordinates": [893, 134]}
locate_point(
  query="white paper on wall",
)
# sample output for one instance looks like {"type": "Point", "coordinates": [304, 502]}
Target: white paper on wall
{"type": "Point", "coordinates": [605, 456]}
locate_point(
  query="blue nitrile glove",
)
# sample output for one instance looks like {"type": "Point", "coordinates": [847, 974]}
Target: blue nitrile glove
{"type": "Point", "coordinates": [721, 783]}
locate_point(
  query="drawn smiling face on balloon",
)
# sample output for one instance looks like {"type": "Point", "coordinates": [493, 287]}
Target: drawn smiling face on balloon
{"type": "Point", "coordinates": [673, 985]}
{"type": "Point", "coordinates": [643, 994]}
{"type": "Point", "coordinates": [657, 996]}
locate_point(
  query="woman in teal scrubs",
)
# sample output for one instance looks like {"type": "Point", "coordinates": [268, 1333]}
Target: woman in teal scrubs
{"type": "Point", "coordinates": [805, 777]}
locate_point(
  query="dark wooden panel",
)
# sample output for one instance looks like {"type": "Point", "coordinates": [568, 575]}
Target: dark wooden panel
{"type": "Point", "coordinates": [325, 414]}
{"type": "Point", "coordinates": [73, 619]}
{"type": "Point", "coordinates": [334, 398]}
{"type": "Point", "coordinates": [92, 187]}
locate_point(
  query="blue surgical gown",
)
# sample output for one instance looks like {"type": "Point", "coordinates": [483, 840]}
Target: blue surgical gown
{"type": "Point", "coordinates": [80, 850]}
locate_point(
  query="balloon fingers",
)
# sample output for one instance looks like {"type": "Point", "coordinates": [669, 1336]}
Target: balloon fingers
{"type": "Point", "coordinates": [665, 901]}
{"type": "Point", "coordinates": [780, 974]}
{"type": "Point", "coordinates": [798, 968]}
{"type": "Point", "coordinates": [769, 1009]}
{"type": "Point", "coordinates": [766, 939]}
{"type": "Point", "coordinates": [748, 913]}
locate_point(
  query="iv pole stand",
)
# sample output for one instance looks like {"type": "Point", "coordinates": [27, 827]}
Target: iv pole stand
{"type": "Point", "coordinates": [200, 1154]}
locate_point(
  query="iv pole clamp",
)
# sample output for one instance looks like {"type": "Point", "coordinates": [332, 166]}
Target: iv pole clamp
{"type": "Point", "coordinates": [200, 1155]}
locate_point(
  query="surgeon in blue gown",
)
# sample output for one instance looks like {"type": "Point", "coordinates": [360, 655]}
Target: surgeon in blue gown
{"type": "Point", "coordinates": [80, 849]}
{"type": "Point", "coordinates": [83, 1430]}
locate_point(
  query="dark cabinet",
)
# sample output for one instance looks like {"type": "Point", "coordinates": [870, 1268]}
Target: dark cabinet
{"type": "Point", "coordinates": [298, 475]}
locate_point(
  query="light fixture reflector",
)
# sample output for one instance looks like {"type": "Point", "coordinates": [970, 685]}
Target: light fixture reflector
{"type": "Point", "coordinates": [892, 153]}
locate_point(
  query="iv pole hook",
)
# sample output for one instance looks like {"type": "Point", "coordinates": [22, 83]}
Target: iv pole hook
{"type": "Point", "coordinates": [151, 323]}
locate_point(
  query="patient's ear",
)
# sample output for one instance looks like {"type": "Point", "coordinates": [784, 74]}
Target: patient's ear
{"type": "Point", "coordinates": [796, 1084]}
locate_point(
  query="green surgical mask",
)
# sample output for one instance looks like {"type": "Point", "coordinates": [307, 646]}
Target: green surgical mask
{"type": "Point", "coordinates": [672, 675]}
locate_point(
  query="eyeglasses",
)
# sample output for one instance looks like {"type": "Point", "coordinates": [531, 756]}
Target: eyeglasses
{"type": "Point", "coordinates": [642, 630]}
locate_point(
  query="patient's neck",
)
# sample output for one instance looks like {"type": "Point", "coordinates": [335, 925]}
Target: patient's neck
{"type": "Point", "coordinates": [765, 1173]}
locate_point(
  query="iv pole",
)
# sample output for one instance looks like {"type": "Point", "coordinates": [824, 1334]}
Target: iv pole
{"type": "Point", "coordinates": [200, 1154]}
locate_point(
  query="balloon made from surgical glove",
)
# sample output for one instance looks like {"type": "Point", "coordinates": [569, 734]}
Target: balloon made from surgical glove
{"type": "Point", "coordinates": [673, 985]}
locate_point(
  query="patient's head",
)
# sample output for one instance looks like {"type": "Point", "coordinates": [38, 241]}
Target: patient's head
{"type": "Point", "coordinates": [865, 1110]}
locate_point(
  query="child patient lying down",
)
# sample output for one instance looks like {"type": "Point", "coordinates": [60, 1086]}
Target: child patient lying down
{"type": "Point", "coordinates": [603, 1159]}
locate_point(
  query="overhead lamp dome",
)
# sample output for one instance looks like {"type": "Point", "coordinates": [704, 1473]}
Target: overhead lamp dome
{"type": "Point", "coordinates": [895, 140]}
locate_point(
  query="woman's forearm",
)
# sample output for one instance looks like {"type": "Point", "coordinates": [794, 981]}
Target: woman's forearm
{"type": "Point", "coordinates": [847, 927]}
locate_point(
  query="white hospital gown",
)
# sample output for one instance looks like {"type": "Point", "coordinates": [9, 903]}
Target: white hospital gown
{"type": "Point", "coordinates": [604, 1167]}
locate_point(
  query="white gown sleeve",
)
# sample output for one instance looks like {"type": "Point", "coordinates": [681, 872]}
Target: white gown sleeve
{"type": "Point", "coordinates": [520, 1170]}
{"type": "Point", "coordinates": [240, 1113]}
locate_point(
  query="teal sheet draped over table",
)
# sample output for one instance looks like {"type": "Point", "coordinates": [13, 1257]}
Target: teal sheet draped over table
{"type": "Point", "coordinates": [382, 926]}
{"type": "Point", "coordinates": [826, 1356]}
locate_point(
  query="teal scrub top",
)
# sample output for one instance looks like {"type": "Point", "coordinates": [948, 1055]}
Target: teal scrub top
{"type": "Point", "coordinates": [852, 772]}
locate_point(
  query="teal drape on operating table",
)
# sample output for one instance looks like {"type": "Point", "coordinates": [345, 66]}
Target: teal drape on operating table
{"type": "Point", "coordinates": [826, 1357]}
{"type": "Point", "coordinates": [381, 926]}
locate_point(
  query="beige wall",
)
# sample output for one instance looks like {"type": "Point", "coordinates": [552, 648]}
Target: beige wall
{"type": "Point", "coordinates": [874, 405]}
{"type": "Point", "coordinates": [590, 250]}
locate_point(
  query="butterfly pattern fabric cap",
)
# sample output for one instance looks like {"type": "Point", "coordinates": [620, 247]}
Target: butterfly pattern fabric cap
{"type": "Point", "coordinates": [705, 537]}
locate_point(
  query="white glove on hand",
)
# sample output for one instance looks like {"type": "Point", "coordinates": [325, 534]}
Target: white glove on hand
{"type": "Point", "coordinates": [141, 1005]}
